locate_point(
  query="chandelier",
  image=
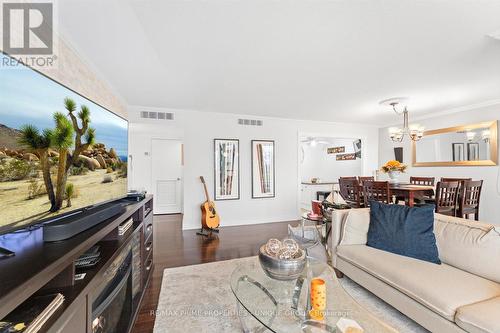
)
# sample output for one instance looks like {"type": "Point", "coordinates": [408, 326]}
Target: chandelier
{"type": "Point", "coordinates": [414, 132]}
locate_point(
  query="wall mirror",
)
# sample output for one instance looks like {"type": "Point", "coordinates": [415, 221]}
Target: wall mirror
{"type": "Point", "coordinates": [468, 145]}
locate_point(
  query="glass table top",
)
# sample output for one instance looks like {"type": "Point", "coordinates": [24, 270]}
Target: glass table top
{"type": "Point", "coordinates": [317, 218]}
{"type": "Point", "coordinates": [280, 306]}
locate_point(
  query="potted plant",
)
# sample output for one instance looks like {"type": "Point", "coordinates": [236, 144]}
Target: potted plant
{"type": "Point", "coordinates": [394, 169]}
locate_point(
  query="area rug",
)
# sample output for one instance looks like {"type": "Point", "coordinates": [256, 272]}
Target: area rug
{"type": "Point", "coordinates": [198, 298]}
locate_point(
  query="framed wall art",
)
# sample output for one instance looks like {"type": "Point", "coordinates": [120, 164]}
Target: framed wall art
{"type": "Point", "coordinates": [335, 150]}
{"type": "Point", "coordinates": [346, 157]}
{"type": "Point", "coordinates": [458, 151]}
{"type": "Point", "coordinates": [472, 151]}
{"type": "Point", "coordinates": [357, 148]}
{"type": "Point", "coordinates": [227, 169]}
{"type": "Point", "coordinates": [263, 169]}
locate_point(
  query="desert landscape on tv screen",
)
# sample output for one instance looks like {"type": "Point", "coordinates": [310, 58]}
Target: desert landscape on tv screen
{"type": "Point", "coordinates": [58, 150]}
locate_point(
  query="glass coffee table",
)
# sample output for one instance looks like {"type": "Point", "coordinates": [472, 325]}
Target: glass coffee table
{"type": "Point", "coordinates": [268, 305]}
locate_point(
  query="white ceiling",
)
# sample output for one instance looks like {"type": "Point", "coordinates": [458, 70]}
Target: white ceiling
{"type": "Point", "coordinates": [306, 59]}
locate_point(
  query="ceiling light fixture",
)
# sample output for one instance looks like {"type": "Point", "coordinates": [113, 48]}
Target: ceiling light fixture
{"type": "Point", "coordinates": [494, 34]}
{"type": "Point", "coordinates": [414, 132]}
{"type": "Point", "coordinates": [314, 141]}
{"type": "Point", "coordinates": [470, 135]}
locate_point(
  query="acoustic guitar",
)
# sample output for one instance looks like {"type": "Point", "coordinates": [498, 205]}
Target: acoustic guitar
{"type": "Point", "coordinates": [209, 217]}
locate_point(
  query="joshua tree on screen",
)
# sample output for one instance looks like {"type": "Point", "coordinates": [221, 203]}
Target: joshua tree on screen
{"type": "Point", "coordinates": [67, 133]}
{"type": "Point", "coordinates": [80, 132]}
{"type": "Point", "coordinates": [40, 143]}
{"type": "Point", "coordinates": [62, 140]}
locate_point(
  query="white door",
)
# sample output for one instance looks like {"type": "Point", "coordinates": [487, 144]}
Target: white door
{"type": "Point", "coordinates": [166, 160]}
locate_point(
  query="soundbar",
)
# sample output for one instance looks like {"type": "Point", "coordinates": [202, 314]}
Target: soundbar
{"type": "Point", "coordinates": [68, 226]}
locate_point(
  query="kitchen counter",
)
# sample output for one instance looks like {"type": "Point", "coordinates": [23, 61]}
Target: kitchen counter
{"type": "Point", "coordinates": [309, 191]}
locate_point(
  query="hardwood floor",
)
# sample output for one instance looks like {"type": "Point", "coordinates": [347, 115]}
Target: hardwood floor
{"type": "Point", "coordinates": [175, 247]}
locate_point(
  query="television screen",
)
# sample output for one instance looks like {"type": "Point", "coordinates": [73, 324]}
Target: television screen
{"type": "Point", "coordinates": [58, 150]}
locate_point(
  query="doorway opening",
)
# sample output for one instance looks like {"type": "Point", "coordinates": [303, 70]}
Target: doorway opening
{"type": "Point", "coordinates": [167, 176]}
{"type": "Point", "coordinates": [323, 160]}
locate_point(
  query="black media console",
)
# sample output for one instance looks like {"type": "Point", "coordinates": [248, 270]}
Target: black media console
{"type": "Point", "coordinates": [41, 268]}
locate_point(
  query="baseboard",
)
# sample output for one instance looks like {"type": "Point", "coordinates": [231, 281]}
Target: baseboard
{"type": "Point", "coordinates": [240, 224]}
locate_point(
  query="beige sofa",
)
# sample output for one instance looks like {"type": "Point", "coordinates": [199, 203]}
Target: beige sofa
{"type": "Point", "coordinates": [460, 295]}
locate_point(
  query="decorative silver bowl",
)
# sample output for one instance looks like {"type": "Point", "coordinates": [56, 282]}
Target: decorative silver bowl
{"type": "Point", "coordinates": [282, 269]}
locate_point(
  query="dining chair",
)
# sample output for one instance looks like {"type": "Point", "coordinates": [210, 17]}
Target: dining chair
{"type": "Point", "coordinates": [446, 197]}
{"type": "Point", "coordinates": [376, 191]}
{"type": "Point", "coordinates": [363, 179]}
{"type": "Point", "coordinates": [350, 191]}
{"type": "Point", "coordinates": [468, 202]}
{"type": "Point", "coordinates": [428, 181]}
{"type": "Point", "coordinates": [348, 178]}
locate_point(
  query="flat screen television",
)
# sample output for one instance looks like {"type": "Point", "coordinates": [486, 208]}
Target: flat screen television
{"type": "Point", "coordinates": [59, 151]}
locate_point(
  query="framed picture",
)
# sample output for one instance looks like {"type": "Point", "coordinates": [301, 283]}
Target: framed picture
{"type": "Point", "coordinates": [357, 148]}
{"type": "Point", "coordinates": [458, 151]}
{"type": "Point", "coordinates": [227, 169]}
{"type": "Point", "coordinates": [346, 157]}
{"type": "Point", "coordinates": [335, 150]}
{"type": "Point", "coordinates": [263, 169]}
{"type": "Point", "coordinates": [473, 151]}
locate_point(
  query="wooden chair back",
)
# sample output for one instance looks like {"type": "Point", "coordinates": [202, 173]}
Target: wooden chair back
{"type": "Point", "coordinates": [460, 180]}
{"type": "Point", "coordinates": [350, 192]}
{"type": "Point", "coordinates": [376, 191]}
{"type": "Point", "coordinates": [446, 197]}
{"type": "Point", "coordinates": [470, 198]}
{"type": "Point", "coordinates": [363, 179]}
{"type": "Point", "coordinates": [429, 181]}
{"type": "Point", "coordinates": [348, 178]}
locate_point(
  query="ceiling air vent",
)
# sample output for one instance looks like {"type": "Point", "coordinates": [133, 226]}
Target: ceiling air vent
{"type": "Point", "coordinates": [157, 115]}
{"type": "Point", "coordinates": [250, 122]}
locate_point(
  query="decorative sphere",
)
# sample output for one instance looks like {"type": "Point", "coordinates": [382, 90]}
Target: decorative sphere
{"type": "Point", "coordinates": [273, 247]}
{"type": "Point", "coordinates": [291, 246]}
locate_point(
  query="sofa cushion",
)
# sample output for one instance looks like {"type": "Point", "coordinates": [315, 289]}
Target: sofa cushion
{"type": "Point", "coordinates": [469, 245]}
{"type": "Point", "coordinates": [482, 317]}
{"type": "Point", "coordinates": [403, 230]}
{"type": "Point", "coordinates": [441, 288]}
{"type": "Point", "coordinates": [355, 227]}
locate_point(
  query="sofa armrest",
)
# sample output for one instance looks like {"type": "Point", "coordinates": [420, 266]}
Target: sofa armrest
{"type": "Point", "coordinates": [338, 218]}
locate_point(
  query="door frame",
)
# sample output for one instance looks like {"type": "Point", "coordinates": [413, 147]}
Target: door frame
{"type": "Point", "coordinates": [152, 184]}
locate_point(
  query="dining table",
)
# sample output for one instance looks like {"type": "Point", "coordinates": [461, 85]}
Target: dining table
{"type": "Point", "coordinates": [411, 191]}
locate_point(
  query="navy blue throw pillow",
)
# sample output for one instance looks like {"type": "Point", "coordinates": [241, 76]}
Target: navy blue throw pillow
{"type": "Point", "coordinates": [403, 230]}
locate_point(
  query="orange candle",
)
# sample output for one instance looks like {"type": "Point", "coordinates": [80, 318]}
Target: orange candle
{"type": "Point", "coordinates": [318, 298]}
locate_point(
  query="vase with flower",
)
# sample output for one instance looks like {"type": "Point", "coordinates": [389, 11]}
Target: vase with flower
{"type": "Point", "coordinates": [394, 169]}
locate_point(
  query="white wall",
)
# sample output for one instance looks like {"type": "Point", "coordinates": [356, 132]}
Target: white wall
{"type": "Point", "coordinates": [198, 129]}
{"type": "Point", "coordinates": [490, 197]}
{"type": "Point", "coordinates": [319, 164]}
